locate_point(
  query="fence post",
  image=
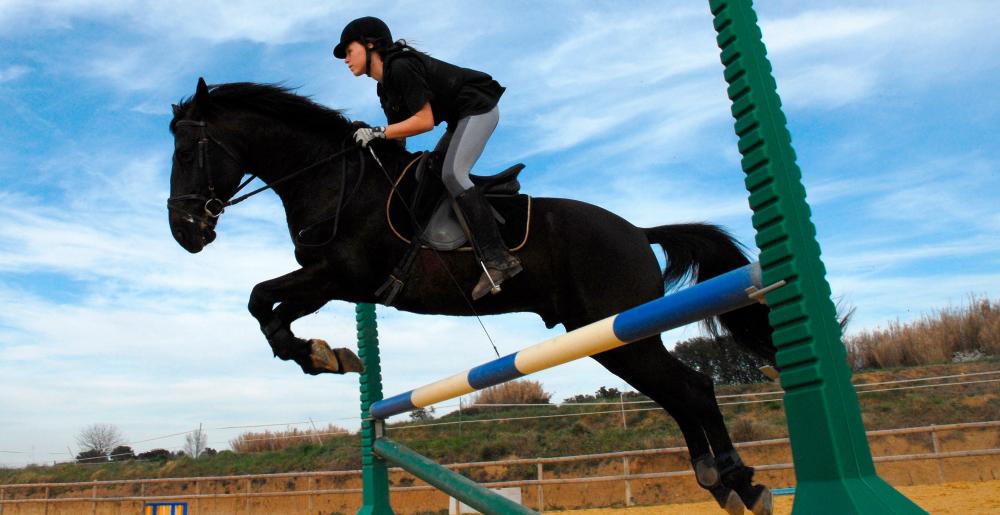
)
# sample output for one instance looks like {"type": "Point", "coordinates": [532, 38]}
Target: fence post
{"type": "Point", "coordinates": [249, 485]}
{"type": "Point", "coordinates": [937, 450]}
{"type": "Point", "coordinates": [628, 484]}
{"type": "Point", "coordinates": [374, 473]}
{"type": "Point", "coordinates": [312, 490]}
{"type": "Point", "coordinates": [197, 492]}
{"type": "Point", "coordinates": [2, 492]}
{"type": "Point", "coordinates": [93, 495]}
{"type": "Point", "coordinates": [541, 489]}
{"type": "Point", "coordinates": [621, 399]}
{"type": "Point", "coordinates": [46, 503]}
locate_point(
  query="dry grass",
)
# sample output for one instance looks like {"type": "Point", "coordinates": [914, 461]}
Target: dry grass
{"type": "Point", "coordinates": [524, 391]}
{"type": "Point", "coordinates": [277, 440]}
{"type": "Point", "coordinates": [949, 335]}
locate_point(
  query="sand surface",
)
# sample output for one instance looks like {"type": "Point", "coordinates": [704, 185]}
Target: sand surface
{"type": "Point", "coordinates": [965, 498]}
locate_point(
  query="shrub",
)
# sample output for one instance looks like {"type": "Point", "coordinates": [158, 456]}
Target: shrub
{"type": "Point", "coordinates": [92, 456]}
{"type": "Point", "coordinates": [122, 453]}
{"type": "Point", "coordinates": [277, 440]}
{"type": "Point", "coordinates": [155, 454]}
{"type": "Point", "coordinates": [950, 334]}
{"type": "Point", "coordinates": [744, 430]}
{"type": "Point", "coordinates": [524, 391]}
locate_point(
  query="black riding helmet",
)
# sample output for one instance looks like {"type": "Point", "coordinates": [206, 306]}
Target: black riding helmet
{"type": "Point", "coordinates": [368, 29]}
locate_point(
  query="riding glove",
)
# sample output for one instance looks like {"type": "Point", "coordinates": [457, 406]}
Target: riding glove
{"type": "Point", "coordinates": [365, 135]}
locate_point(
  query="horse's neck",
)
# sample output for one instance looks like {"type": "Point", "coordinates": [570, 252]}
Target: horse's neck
{"type": "Point", "coordinates": [313, 195]}
{"type": "Point", "coordinates": [274, 155]}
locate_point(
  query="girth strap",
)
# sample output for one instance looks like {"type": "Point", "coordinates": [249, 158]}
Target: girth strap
{"type": "Point", "coordinates": [401, 273]}
{"type": "Point", "coordinates": [397, 279]}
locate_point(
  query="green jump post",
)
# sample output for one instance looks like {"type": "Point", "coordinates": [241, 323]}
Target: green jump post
{"type": "Point", "coordinates": [448, 481]}
{"type": "Point", "coordinates": [833, 462]}
{"type": "Point", "coordinates": [374, 473]}
{"type": "Point", "coordinates": [376, 449]}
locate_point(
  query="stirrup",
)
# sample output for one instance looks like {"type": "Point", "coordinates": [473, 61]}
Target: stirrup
{"type": "Point", "coordinates": [493, 276]}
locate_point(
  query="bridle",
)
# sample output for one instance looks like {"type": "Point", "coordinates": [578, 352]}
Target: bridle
{"type": "Point", "coordinates": [214, 205]}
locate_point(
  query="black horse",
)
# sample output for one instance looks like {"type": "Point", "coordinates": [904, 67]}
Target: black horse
{"type": "Point", "coordinates": [581, 263]}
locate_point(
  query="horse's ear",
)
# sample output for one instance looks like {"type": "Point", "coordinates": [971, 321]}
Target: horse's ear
{"type": "Point", "coordinates": [177, 110]}
{"type": "Point", "coordinates": [201, 97]}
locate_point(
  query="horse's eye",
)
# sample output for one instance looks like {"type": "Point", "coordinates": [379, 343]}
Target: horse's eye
{"type": "Point", "coordinates": [185, 155]}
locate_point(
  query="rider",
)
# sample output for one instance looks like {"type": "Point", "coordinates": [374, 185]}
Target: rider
{"type": "Point", "coordinates": [418, 92]}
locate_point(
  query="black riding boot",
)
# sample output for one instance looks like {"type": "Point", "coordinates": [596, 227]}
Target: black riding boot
{"type": "Point", "coordinates": [489, 246]}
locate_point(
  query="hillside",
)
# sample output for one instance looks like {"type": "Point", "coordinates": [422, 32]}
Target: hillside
{"type": "Point", "coordinates": [569, 430]}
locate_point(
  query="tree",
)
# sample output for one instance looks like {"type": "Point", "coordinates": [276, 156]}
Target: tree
{"type": "Point", "coordinates": [100, 437]}
{"type": "Point", "coordinates": [155, 454]}
{"type": "Point", "coordinates": [195, 442]}
{"type": "Point", "coordinates": [721, 359]}
{"type": "Point", "coordinates": [607, 393]}
{"type": "Point", "coordinates": [91, 456]}
{"type": "Point", "coordinates": [422, 414]}
{"type": "Point", "coordinates": [122, 453]}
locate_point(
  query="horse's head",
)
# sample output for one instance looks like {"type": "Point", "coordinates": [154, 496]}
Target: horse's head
{"type": "Point", "coordinates": [206, 171]}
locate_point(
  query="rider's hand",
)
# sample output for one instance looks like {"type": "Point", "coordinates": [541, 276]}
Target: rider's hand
{"type": "Point", "coordinates": [365, 135]}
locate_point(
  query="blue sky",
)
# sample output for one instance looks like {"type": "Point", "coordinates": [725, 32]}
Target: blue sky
{"type": "Point", "coordinates": [893, 109]}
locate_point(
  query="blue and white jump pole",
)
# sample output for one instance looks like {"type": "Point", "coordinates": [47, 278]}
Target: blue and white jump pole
{"type": "Point", "coordinates": [729, 291]}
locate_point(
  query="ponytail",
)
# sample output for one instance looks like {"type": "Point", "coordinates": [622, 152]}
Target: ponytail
{"type": "Point", "coordinates": [398, 46]}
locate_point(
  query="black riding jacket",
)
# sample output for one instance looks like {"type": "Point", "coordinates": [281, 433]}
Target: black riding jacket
{"type": "Point", "coordinates": [410, 79]}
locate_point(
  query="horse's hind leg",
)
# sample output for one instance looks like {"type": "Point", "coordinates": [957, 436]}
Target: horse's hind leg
{"type": "Point", "coordinates": [688, 396]}
{"type": "Point", "coordinates": [733, 472]}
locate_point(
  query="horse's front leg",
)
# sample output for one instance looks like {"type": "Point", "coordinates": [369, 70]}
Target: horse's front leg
{"type": "Point", "coordinates": [297, 294]}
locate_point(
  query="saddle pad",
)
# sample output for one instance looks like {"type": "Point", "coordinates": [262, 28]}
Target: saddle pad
{"type": "Point", "coordinates": [440, 222]}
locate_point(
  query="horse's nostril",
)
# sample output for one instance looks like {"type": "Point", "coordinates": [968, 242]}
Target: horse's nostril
{"type": "Point", "coordinates": [178, 235]}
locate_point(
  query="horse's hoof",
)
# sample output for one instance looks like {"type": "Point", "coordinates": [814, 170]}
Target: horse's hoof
{"type": "Point", "coordinates": [336, 361]}
{"type": "Point", "coordinates": [733, 505]}
{"type": "Point", "coordinates": [764, 505]}
{"type": "Point", "coordinates": [349, 361]}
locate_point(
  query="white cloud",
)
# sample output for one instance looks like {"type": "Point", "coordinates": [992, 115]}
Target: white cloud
{"type": "Point", "coordinates": [211, 21]}
{"type": "Point", "coordinates": [829, 86]}
{"type": "Point", "coordinates": [13, 72]}
{"type": "Point", "coordinates": [814, 28]}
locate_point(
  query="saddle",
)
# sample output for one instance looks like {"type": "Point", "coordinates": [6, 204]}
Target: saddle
{"type": "Point", "coordinates": [422, 213]}
{"type": "Point", "coordinates": [419, 202]}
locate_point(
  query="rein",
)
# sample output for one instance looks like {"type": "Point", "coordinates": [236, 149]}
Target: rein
{"type": "Point", "coordinates": [215, 206]}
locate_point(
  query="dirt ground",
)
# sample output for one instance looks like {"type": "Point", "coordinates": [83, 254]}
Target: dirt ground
{"type": "Point", "coordinates": [963, 498]}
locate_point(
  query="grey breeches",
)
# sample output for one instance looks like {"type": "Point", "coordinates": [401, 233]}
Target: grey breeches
{"type": "Point", "coordinates": [466, 145]}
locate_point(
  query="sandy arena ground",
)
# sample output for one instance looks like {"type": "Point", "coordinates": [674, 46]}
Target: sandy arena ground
{"type": "Point", "coordinates": [946, 499]}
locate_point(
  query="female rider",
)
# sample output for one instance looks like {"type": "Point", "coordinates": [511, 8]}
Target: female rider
{"type": "Point", "coordinates": [418, 92]}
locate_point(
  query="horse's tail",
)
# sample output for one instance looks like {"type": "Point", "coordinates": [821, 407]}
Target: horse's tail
{"type": "Point", "coordinates": [703, 251]}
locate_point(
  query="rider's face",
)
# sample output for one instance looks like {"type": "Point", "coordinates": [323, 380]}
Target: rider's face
{"type": "Point", "coordinates": [355, 58]}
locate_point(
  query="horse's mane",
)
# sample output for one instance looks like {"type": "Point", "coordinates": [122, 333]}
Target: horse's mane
{"type": "Point", "coordinates": [274, 101]}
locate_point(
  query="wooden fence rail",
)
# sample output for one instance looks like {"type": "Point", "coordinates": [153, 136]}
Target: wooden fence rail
{"type": "Point", "coordinates": [538, 482]}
